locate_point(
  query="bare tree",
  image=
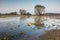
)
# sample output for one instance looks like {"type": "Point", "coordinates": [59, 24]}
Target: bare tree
{"type": "Point", "coordinates": [22, 11]}
{"type": "Point", "coordinates": [39, 9]}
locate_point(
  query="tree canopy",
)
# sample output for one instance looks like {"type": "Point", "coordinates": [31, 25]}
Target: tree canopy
{"type": "Point", "coordinates": [39, 9]}
{"type": "Point", "coordinates": [39, 6]}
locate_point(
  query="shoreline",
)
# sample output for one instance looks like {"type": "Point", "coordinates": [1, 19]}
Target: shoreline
{"type": "Point", "coordinates": [47, 16]}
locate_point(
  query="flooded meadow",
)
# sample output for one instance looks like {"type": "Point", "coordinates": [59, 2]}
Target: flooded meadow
{"type": "Point", "coordinates": [27, 27]}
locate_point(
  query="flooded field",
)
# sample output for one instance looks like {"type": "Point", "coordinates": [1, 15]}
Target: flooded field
{"type": "Point", "coordinates": [26, 27]}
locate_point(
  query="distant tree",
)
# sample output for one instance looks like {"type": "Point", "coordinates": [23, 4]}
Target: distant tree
{"type": "Point", "coordinates": [39, 9]}
{"type": "Point", "coordinates": [22, 11]}
{"type": "Point", "coordinates": [28, 13]}
{"type": "Point", "coordinates": [13, 13]}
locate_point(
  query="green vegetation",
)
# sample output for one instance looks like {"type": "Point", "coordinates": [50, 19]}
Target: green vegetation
{"type": "Point", "coordinates": [24, 12]}
{"type": "Point", "coordinates": [10, 37]}
{"type": "Point", "coordinates": [39, 9]}
{"type": "Point", "coordinates": [4, 16]}
{"type": "Point", "coordinates": [11, 14]}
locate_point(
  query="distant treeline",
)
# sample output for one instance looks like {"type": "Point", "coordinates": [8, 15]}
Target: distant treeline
{"type": "Point", "coordinates": [22, 12]}
{"type": "Point", "coordinates": [11, 13]}
{"type": "Point", "coordinates": [50, 14]}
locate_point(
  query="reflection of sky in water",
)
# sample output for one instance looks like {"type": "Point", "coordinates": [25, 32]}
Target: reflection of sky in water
{"type": "Point", "coordinates": [18, 24]}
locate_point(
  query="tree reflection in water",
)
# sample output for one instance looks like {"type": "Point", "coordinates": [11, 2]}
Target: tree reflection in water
{"type": "Point", "coordinates": [38, 21]}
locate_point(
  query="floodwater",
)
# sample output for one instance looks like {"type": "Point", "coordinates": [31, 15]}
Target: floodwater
{"type": "Point", "coordinates": [26, 27]}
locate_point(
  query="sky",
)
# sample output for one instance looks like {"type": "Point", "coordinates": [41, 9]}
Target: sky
{"type": "Point", "coordinates": [6, 6]}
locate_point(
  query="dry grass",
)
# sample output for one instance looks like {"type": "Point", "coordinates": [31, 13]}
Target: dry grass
{"type": "Point", "coordinates": [51, 35]}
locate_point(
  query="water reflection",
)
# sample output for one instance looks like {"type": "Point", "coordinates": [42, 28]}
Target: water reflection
{"type": "Point", "coordinates": [38, 21]}
{"type": "Point", "coordinates": [24, 17]}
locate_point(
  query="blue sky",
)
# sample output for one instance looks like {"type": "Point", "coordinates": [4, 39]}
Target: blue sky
{"type": "Point", "coordinates": [52, 6]}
